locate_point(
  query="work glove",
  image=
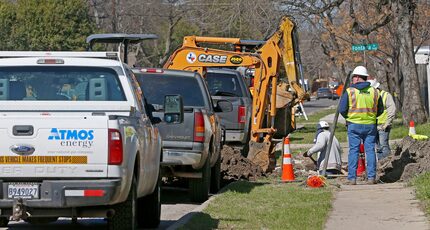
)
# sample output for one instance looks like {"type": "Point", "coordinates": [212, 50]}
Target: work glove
{"type": "Point", "coordinates": [305, 154]}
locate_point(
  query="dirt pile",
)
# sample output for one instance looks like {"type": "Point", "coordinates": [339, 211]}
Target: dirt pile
{"type": "Point", "coordinates": [411, 158]}
{"type": "Point", "coordinates": [303, 166]}
{"type": "Point", "coordinates": [234, 166]}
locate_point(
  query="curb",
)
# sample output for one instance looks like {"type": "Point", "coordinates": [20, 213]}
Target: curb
{"type": "Point", "coordinates": [183, 220]}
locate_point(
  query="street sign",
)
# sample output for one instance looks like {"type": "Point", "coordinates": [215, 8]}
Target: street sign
{"type": "Point", "coordinates": [373, 46]}
{"type": "Point", "coordinates": [364, 47]}
{"type": "Point", "coordinates": [358, 48]}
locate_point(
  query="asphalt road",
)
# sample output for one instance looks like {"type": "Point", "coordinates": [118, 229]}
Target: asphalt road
{"type": "Point", "coordinates": [313, 105]}
{"type": "Point", "coordinates": [175, 204]}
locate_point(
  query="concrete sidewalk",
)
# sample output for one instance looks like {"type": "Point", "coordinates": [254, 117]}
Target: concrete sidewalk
{"type": "Point", "coordinates": [381, 206]}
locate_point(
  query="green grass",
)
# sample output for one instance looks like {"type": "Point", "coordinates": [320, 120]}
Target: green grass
{"type": "Point", "coordinates": [307, 133]}
{"type": "Point", "coordinates": [265, 205]}
{"type": "Point", "coordinates": [422, 186]}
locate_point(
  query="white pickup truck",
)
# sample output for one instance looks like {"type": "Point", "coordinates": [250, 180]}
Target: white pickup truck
{"type": "Point", "coordinates": [76, 140]}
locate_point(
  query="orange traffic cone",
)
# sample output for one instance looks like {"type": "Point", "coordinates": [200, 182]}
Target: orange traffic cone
{"type": "Point", "coordinates": [287, 166]}
{"type": "Point", "coordinates": [361, 168]}
{"type": "Point", "coordinates": [412, 128]}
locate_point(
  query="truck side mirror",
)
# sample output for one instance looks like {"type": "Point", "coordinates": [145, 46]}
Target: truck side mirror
{"type": "Point", "coordinates": [223, 106]}
{"type": "Point", "coordinates": [173, 109]}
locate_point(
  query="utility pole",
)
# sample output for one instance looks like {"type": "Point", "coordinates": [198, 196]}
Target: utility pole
{"type": "Point", "coordinates": [364, 53]}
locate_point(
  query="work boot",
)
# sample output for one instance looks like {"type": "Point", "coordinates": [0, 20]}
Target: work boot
{"type": "Point", "coordinates": [350, 182]}
{"type": "Point", "coordinates": [371, 181]}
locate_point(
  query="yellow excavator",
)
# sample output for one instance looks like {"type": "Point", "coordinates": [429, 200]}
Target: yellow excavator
{"type": "Point", "coordinates": [270, 96]}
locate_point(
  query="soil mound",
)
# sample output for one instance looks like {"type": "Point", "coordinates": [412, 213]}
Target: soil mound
{"type": "Point", "coordinates": [411, 158]}
{"type": "Point", "coordinates": [234, 166]}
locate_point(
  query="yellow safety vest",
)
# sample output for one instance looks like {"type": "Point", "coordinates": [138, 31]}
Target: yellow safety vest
{"type": "Point", "coordinates": [383, 117]}
{"type": "Point", "coordinates": [363, 105]}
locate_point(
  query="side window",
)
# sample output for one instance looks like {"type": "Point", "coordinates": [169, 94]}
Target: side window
{"type": "Point", "coordinates": [137, 91]}
{"type": "Point", "coordinates": [208, 96]}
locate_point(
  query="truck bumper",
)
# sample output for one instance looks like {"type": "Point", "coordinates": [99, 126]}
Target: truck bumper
{"type": "Point", "coordinates": [67, 193]}
{"type": "Point", "coordinates": [235, 136]}
{"type": "Point", "coordinates": [181, 157]}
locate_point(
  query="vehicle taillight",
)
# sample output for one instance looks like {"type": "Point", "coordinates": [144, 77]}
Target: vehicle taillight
{"type": "Point", "coordinates": [199, 127]}
{"type": "Point", "coordinates": [115, 147]}
{"type": "Point", "coordinates": [241, 114]}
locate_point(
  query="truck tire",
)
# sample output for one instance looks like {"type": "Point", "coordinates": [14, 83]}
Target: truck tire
{"type": "Point", "coordinates": [41, 220]}
{"type": "Point", "coordinates": [149, 207]}
{"type": "Point", "coordinates": [4, 221]}
{"type": "Point", "coordinates": [125, 212]}
{"type": "Point", "coordinates": [199, 188]}
{"type": "Point", "coordinates": [216, 176]}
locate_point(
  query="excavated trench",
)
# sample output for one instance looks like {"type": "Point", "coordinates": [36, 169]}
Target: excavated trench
{"type": "Point", "coordinates": [410, 158]}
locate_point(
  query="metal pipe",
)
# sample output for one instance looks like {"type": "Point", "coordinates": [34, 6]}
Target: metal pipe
{"type": "Point", "coordinates": [333, 127]}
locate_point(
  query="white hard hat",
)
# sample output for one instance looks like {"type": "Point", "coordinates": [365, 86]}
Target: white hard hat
{"type": "Point", "coordinates": [323, 124]}
{"type": "Point", "coordinates": [375, 84]}
{"type": "Point", "coordinates": [360, 71]}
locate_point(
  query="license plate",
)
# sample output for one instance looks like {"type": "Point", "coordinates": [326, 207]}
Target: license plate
{"type": "Point", "coordinates": [26, 191]}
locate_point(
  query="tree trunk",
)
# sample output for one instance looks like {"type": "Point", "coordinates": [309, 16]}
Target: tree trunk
{"type": "Point", "coordinates": [415, 110]}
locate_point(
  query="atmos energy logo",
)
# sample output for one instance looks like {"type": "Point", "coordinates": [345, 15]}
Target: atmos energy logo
{"type": "Point", "coordinates": [73, 137]}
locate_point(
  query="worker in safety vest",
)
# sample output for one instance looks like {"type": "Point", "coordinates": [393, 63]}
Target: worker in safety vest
{"type": "Point", "coordinates": [385, 120]}
{"type": "Point", "coordinates": [360, 105]}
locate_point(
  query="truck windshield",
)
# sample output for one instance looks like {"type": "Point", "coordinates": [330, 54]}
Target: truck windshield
{"type": "Point", "coordinates": [54, 83]}
{"type": "Point", "coordinates": [223, 84]}
{"type": "Point", "coordinates": [155, 86]}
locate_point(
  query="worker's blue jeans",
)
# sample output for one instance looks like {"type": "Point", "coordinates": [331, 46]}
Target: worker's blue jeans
{"type": "Point", "coordinates": [356, 133]}
{"type": "Point", "coordinates": [382, 145]}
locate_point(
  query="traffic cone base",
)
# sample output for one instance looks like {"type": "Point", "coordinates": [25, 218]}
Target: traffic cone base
{"type": "Point", "coordinates": [287, 165]}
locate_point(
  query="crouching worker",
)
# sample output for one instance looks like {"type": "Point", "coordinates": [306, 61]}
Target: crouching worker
{"type": "Point", "coordinates": [321, 140]}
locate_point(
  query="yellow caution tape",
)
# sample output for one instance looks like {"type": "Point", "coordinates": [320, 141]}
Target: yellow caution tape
{"type": "Point", "coordinates": [43, 159]}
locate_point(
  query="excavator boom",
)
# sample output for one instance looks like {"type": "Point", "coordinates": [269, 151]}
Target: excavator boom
{"type": "Point", "coordinates": [281, 46]}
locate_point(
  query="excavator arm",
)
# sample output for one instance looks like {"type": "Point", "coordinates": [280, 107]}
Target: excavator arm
{"type": "Point", "coordinates": [281, 46]}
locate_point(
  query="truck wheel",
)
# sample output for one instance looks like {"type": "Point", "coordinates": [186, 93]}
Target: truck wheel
{"type": "Point", "coordinates": [149, 207]}
{"type": "Point", "coordinates": [216, 175]}
{"type": "Point", "coordinates": [4, 221]}
{"type": "Point", "coordinates": [199, 188]}
{"type": "Point", "coordinates": [41, 220]}
{"type": "Point", "coordinates": [125, 213]}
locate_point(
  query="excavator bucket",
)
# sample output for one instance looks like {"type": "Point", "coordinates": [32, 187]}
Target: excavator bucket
{"type": "Point", "coordinates": [261, 154]}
